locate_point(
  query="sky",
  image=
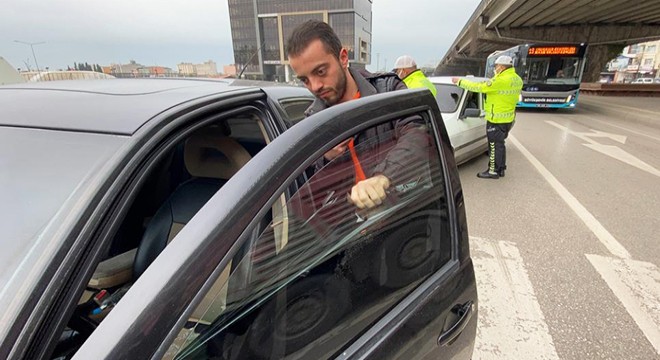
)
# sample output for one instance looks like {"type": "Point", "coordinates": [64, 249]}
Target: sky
{"type": "Point", "coordinates": [168, 32]}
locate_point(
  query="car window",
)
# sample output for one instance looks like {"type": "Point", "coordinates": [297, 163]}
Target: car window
{"type": "Point", "coordinates": [472, 100]}
{"type": "Point", "coordinates": [295, 109]}
{"type": "Point", "coordinates": [448, 97]}
{"type": "Point", "coordinates": [178, 180]}
{"type": "Point", "coordinates": [321, 271]}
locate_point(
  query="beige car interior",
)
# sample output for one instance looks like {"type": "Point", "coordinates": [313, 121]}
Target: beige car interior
{"type": "Point", "coordinates": [207, 153]}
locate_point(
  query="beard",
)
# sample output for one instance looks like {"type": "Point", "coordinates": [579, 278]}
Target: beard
{"type": "Point", "coordinates": [339, 90]}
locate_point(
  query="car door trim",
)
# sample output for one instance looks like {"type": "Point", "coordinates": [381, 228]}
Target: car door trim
{"type": "Point", "coordinates": [386, 326]}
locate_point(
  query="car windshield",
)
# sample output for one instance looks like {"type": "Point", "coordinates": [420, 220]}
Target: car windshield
{"type": "Point", "coordinates": [42, 177]}
{"type": "Point", "coordinates": [448, 97]}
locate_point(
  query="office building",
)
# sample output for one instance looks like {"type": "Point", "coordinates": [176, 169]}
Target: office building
{"type": "Point", "coordinates": [260, 29]}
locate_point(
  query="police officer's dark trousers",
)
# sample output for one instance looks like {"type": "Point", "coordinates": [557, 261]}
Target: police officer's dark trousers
{"type": "Point", "coordinates": [496, 134]}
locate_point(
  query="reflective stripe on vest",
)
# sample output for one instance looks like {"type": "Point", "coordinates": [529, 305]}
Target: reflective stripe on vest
{"type": "Point", "coordinates": [503, 115]}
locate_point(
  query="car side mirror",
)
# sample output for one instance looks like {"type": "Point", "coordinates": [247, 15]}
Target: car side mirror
{"type": "Point", "coordinates": [470, 112]}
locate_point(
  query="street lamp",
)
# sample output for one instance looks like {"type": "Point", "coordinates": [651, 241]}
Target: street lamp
{"type": "Point", "coordinates": [32, 48]}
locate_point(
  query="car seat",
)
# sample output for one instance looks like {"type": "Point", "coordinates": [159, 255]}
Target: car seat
{"type": "Point", "coordinates": [211, 158]}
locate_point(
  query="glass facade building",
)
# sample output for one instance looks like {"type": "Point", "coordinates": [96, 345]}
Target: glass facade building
{"type": "Point", "coordinates": [260, 29]}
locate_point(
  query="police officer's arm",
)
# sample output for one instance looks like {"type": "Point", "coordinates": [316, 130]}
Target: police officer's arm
{"type": "Point", "coordinates": [480, 87]}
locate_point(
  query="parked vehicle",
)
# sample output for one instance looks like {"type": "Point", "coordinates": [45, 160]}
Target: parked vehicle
{"type": "Point", "coordinates": [464, 117]}
{"type": "Point", "coordinates": [174, 219]}
{"type": "Point", "coordinates": [643, 81]}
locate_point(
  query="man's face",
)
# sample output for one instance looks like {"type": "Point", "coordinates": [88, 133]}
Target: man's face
{"type": "Point", "coordinates": [499, 68]}
{"type": "Point", "coordinates": [322, 73]}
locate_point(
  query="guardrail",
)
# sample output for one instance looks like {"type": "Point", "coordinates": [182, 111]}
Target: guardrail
{"type": "Point", "coordinates": [649, 90]}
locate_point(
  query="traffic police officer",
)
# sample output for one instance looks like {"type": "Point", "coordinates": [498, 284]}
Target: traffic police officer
{"type": "Point", "coordinates": [502, 95]}
{"type": "Point", "coordinates": [406, 68]}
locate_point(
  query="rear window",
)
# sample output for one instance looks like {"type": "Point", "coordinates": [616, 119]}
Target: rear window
{"type": "Point", "coordinates": [295, 109]}
{"type": "Point", "coordinates": [448, 97]}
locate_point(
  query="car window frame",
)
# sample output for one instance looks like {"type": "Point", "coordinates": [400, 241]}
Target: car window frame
{"type": "Point", "coordinates": [445, 267]}
{"type": "Point", "coordinates": [118, 334]}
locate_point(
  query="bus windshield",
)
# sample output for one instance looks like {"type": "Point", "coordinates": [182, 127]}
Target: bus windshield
{"type": "Point", "coordinates": [551, 73]}
{"type": "Point", "coordinates": [555, 70]}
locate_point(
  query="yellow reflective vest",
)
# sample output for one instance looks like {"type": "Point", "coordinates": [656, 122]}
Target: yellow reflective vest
{"type": "Point", "coordinates": [502, 94]}
{"type": "Point", "coordinates": [416, 79]}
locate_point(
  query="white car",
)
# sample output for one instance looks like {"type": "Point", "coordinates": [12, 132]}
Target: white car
{"type": "Point", "coordinates": [643, 81]}
{"type": "Point", "coordinates": [464, 117]}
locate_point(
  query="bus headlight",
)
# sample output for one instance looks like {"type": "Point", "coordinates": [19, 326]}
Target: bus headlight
{"type": "Point", "coordinates": [520, 98]}
{"type": "Point", "coordinates": [569, 98]}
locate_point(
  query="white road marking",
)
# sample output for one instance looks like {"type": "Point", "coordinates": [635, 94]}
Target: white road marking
{"type": "Point", "coordinates": [596, 133]}
{"type": "Point", "coordinates": [511, 324]}
{"type": "Point", "coordinates": [607, 239]}
{"type": "Point", "coordinates": [621, 155]}
{"type": "Point", "coordinates": [586, 136]}
{"type": "Point", "coordinates": [637, 285]}
{"type": "Point", "coordinates": [612, 151]}
{"type": "Point", "coordinates": [591, 118]}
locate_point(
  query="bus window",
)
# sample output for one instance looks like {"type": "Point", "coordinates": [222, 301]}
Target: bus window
{"type": "Point", "coordinates": [538, 69]}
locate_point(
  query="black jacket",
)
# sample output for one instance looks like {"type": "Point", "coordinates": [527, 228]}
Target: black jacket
{"type": "Point", "coordinates": [399, 145]}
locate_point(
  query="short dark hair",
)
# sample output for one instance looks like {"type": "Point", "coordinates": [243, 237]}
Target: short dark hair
{"type": "Point", "coordinates": [309, 31]}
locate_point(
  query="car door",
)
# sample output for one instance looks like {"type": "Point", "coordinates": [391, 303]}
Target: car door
{"type": "Point", "coordinates": [471, 137]}
{"type": "Point", "coordinates": [274, 266]}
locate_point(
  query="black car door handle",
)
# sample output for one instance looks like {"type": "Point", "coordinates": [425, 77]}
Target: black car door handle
{"type": "Point", "coordinates": [464, 312]}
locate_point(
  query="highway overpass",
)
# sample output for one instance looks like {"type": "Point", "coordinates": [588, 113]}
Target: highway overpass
{"type": "Point", "coordinates": [606, 25]}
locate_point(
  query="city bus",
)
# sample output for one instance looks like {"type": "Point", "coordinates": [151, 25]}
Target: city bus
{"type": "Point", "coordinates": [551, 73]}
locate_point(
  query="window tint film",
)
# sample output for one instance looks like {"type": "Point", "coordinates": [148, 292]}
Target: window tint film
{"type": "Point", "coordinates": [295, 109]}
{"type": "Point", "coordinates": [319, 271]}
{"type": "Point", "coordinates": [448, 97]}
{"type": "Point", "coordinates": [472, 100]}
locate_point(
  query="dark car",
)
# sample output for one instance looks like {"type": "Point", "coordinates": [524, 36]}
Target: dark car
{"type": "Point", "coordinates": [173, 219]}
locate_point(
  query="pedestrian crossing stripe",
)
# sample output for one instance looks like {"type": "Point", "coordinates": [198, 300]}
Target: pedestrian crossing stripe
{"type": "Point", "coordinates": [511, 324]}
{"type": "Point", "coordinates": [637, 285]}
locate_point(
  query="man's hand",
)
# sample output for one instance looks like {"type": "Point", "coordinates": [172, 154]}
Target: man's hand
{"type": "Point", "coordinates": [370, 193]}
{"type": "Point", "coordinates": [337, 150]}
{"type": "Point", "coordinates": [455, 80]}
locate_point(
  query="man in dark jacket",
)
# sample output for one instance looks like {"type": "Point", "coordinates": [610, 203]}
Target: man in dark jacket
{"type": "Point", "coordinates": [319, 61]}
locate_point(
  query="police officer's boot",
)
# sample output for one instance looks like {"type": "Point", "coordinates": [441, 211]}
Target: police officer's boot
{"type": "Point", "coordinates": [488, 175]}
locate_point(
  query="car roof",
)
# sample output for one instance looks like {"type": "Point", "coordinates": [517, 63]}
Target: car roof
{"type": "Point", "coordinates": [115, 106]}
{"type": "Point", "coordinates": [447, 79]}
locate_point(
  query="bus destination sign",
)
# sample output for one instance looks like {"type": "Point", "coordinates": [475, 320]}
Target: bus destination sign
{"type": "Point", "coordinates": [552, 50]}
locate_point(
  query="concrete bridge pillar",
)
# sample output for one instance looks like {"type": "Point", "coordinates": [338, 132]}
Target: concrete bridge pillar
{"type": "Point", "coordinates": [597, 57]}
